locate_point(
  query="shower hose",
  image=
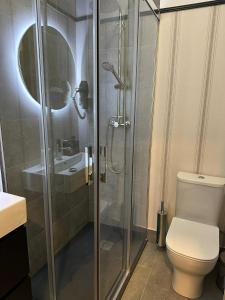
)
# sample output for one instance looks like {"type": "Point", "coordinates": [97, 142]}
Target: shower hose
{"type": "Point", "coordinates": [109, 146]}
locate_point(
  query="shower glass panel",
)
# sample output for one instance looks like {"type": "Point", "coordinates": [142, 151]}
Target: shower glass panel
{"type": "Point", "coordinates": [68, 63]}
{"type": "Point", "coordinates": [21, 127]}
{"type": "Point", "coordinates": [115, 46]}
{"type": "Point", "coordinates": [146, 53]}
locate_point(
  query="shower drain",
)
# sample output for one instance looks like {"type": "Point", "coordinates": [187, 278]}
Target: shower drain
{"type": "Point", "coordinates": [106, 245]}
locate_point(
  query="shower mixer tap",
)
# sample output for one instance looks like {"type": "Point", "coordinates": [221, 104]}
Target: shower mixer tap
{"type": "Point", "coordinates": [118, 121]}
{"type": "Point", "coordinates": [114, 124]}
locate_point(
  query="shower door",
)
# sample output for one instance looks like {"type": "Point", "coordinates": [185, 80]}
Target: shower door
{"type": "Point", "coordinates": [67, 39]}
{"type": "Point", "coordinates": [89, 237]}
{"type": "Point", "coordinates": [116, 68]}
{"type": "Point", "coordinates": [127, 45]}
{"type": "Point", "coordinates": [145, 59]}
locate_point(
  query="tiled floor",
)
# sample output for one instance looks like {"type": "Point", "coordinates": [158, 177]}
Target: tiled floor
{"type": "Point", "coordinates": [74, 266]}
{"type": "Point", "coordinates": [151, 279]}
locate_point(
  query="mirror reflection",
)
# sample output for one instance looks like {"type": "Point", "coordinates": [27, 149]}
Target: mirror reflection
{"type": "Point", "coordinates": [60, 66]}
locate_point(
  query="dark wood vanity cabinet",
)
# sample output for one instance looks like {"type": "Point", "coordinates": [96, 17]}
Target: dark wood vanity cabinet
{"type": "Point", "coordinates": [14, 266]}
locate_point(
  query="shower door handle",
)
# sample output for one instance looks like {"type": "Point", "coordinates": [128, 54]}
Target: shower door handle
{"type": "Point", "coordinates": [88, 165]}
{"type": "Point", "coordinates": [103, 164]}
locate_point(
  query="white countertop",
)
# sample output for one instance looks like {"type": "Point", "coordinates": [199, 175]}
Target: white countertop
{"type": "Point", "coordinates": [13, 213]}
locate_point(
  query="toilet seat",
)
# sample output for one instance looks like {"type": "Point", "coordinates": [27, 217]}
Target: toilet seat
{"type": "Point", "coordinates": [193, 250]}
{"type": "Point", "coordinates": [193, 240]}
{"type": "Point", "coordinates": [191, 259]}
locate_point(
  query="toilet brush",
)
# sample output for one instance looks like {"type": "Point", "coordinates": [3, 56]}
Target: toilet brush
{"type": "Point", "coordinates": [161, 226]}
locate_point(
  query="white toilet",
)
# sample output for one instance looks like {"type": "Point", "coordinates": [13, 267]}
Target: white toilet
{"type": "Point", "coordinates": [193, 237]}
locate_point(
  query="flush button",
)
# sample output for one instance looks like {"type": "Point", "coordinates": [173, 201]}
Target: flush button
{"type": "Point", "coordinates": [201, 177]}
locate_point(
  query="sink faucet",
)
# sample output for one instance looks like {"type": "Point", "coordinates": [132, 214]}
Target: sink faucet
{"type": "Point", "coordinates": [61, 150]}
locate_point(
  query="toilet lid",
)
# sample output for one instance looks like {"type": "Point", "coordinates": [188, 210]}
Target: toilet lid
{"type": "Point", "coordinates": [195, 240]}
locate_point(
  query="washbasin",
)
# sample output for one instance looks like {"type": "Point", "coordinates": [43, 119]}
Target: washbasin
{"type": "Point", "coordinates": [69, 174]}
{"type": "Point", "coordinates": [13, 213]}
{"type": "Point", "coordinates": [68, 161]}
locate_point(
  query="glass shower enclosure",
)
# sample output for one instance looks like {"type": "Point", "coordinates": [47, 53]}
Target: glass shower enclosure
{"type": "Point", "coordinates": [76, 108]}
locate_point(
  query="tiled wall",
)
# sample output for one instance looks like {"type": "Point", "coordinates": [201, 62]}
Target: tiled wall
{"type": "Point", "coordinates": [189, 122]}
{"type": "Point", "coordinates": [112, 192]}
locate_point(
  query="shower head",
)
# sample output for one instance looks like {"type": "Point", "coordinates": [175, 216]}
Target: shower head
{"type": "Point", "coordinates": [110, 68]}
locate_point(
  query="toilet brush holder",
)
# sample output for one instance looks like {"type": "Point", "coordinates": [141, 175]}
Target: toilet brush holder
{"type": "Point", "coordinates": [161, 227]}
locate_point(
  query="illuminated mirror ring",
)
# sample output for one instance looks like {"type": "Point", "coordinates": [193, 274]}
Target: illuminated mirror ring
{"type": "Point", "coordinates": [59, 64]}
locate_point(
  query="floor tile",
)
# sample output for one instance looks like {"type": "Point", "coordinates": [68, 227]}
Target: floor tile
{"type": "Point", "coordinates": [172, 295]}
{"type": "Point", "coordinates": [151, 279]}
{"type": "Point", "coordinates": [210, 290]}
{"type": "Point", "coordinates": [148, 257]}
{"type": "Point", "coordinates": [137, 283]}
{"type": "Point", "coordinates": [161, 271]}
{"type": "Point", "coordinates": [154, 292]}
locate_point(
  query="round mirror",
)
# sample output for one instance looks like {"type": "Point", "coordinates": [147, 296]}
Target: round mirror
{"type": "Point", "coordinates": [59, 64]}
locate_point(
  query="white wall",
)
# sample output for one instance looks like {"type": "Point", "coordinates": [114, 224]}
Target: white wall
{"type": "Point", "coordinates": [189, 113]}
{"type": "Point", "coordinates": [1, 187]}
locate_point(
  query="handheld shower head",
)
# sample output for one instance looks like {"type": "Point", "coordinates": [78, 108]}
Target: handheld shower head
{"type": "Point", "coordinates": [110, 68]}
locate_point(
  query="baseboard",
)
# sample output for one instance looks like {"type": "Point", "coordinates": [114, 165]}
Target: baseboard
{"type": "Point", "coordinates": [151, 235]}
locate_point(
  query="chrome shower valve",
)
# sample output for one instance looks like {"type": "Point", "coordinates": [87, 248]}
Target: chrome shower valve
{"type": "Point", "coordinates": [118, 121]}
